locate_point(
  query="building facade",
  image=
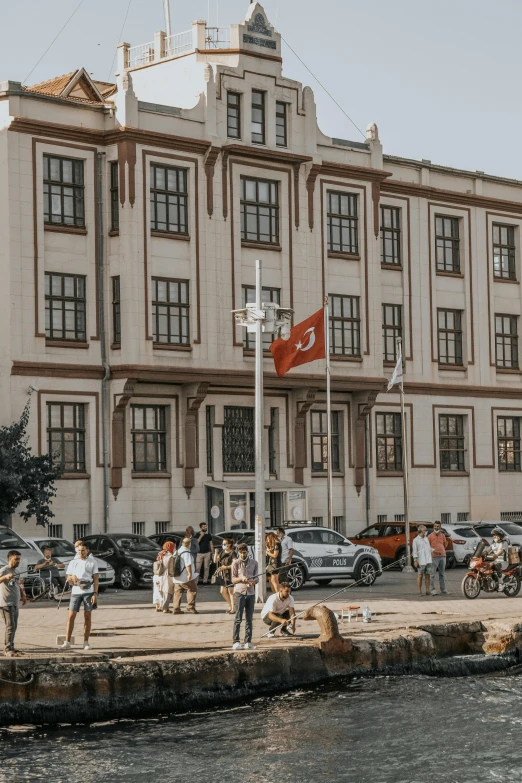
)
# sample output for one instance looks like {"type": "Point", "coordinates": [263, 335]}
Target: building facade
{"type": "Point", "coordinates": [131, 216]}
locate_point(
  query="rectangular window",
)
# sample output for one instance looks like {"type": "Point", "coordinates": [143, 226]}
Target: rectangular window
{"type": "Point", "coordinates": [399, 518]}
{"type": "Point", "coordinates": [168, 199]}
{"type": "Point", "coordinates": [345, 325]}
{"type": "Point", "coordinates": [116, 312]}
{"type": "Point", "coordinates": [258, 117]}
{"type": "Point", "coordinates": [233, 115]}
{"type": "Point", "coordinates": [450, 336]}
{"type": "Point", "coordinates": [149, 438]}
{"type": "Point", "coordinates": [210, 414]}
{"type": "Point", "coordinates": [445, 519]}
{"type": "Point", "coordinates": [238, 439]}
{"type": "Point", "coordinates": [273, 431]}
{"type": "Point", "coordinates": [390, 235]}
{"type": "Point", "coordinates": [319, 434]}
{"type": "Point", "coordinates": [80, 531]}
{"type": "Point", "coordinates": [391, 330]}
{"type": "Point", "coordinates": [342, 223]}
{"type": "Point", "coordinates": [389, 442]}
{"type": "Point", "coordinates": [170, 311]}
{"type": "Point", "coordinates": [249, 295]}
{"type": "Point", "coordinates": [162, 527]}
{"type": "Point", "coordinates": [451, 443]}
{"type": "Point", "coordinates": [65, 307]}
{"type": "Point", "coordinates": [508, 438]}
{"type": "Point", "coordinates": [138, 528]}
{"type": "Point", "coordinates": [338, 523]}
{"type": "Point", "coordinates": [510, 516]}
{"type": "Point", "coordinates": [63, 191]}
{"type": "Point", "coordinates": [317, 521]}
{"type": "Point", "coordinates": [504, 252]}
{"type": "Point", "coordinates": [281, 132]}
{"type": "Point", "coordinates": [115, 197]}
{"type": "Point", "coordinates": [506, 341]}
{"type": "Point", "coordinates": [447, 243]}
{"type": "Point", "coordinates": [55, 531]}
{"type": "Point", "coordinates": [382, 519]}
{"type": "Point", "coordinates": [463, 516]}
{"type": "Point", "coordinates": [66, 435]}
{"type": "Point", "coordinates": [259, 210]}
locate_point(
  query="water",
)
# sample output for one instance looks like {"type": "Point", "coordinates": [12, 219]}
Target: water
{"type": "Point", "coordinates": [385, 730]}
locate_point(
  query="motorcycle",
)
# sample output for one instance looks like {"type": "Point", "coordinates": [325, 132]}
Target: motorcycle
{"type": "Point", "coordinates": [483, 576]}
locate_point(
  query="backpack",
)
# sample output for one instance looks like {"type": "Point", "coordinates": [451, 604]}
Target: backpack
{"type": "Point", "coordinates": [178, 565]}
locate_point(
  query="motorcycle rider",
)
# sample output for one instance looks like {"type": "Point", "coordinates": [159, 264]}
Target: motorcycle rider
{"type": "Point", "coordinates": [498, 553]}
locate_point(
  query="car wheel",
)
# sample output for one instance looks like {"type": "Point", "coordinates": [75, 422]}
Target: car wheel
{"type": "Point", "coordinates": [127, 578]}
{"type": "Point", "coordinates": [451, 562]}
{"type": "Point", "coordinates": [400, 558]}
{"type": "Point", "coordinates": [322, 582]}
{"type": "Point", "coordinates": [366, 573]}
{"type": "Point", "coordinates": [295, 576]}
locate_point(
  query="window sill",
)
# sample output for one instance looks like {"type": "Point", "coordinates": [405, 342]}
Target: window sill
{"type": "Point", "coordinates": [509, 370]}
{"type": "Point", "coordinates": [440, 273]}
{"type": "Point", "coordinates": [390, 363]}
{"type": "Point", "coordinates": [71, 476]}
{"type": "Point", "coordinates": [168, 347]}
{"type": "Point", "coordinates": [116, 347]}
{"type": "Point", "coordinates": [66, 343]}
{"type": "Point", "coordinates": [114, 232]}
{"type": "Point", "coordinates": [150, 474]}
{"type": "Point", "coordinates": [261, 245]}
{"type": "Point", "coordinates": [454, 473]}
{"type": "Point", "coordinates": [505, 280]}
{"type": "Point", "coordinates": [60, 229]}
{"type": "Point", "coordinates": [335, 357]}
{"type": "Point", "coordinates": [251, 352]}
{"type": "Point", "coordinates": [393, 267]}
{"type": "Point", "coordinates": [171, 235]}
{"type": "Point", "coordinates": [324, 474]}
{"type": "Point", "coordinates": [389, 474]}
{"type": "Point", "coordinates": [347, 256]}
{"type": "Point", "coordinates": [453, 367]}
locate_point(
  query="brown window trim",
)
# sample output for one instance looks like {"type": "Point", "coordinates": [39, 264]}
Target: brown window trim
{"type": "Point", "coordinates": [66, 343]}
{"type": "Point", "coordinates": [389, 473]}
{"type": "Point", "coordinates": [114, 232]}
{"type": "Point", "coordinates": [449, 274]}
{"type": "Point", "coordinates": [159, 474]}
{"type": "Point", "coordinates": [115, 346]}
{"type": "Point", "coordinates": [398, 267]}
{"type": "Point", "coordinates": [167, 347]}
{"type": "Point", "coordinates": [505, 280]}
{"type": "Point", "coordinates": [347, 256]}
{"type": "Point", "coordinates": [71, 476]}
{"type": "Point", "coordinates": [170, 235]}
{"type": "Point", "coordinates": [323, 473]}
{"type": "Point", "coordinates": [60, 228]}
{"type": "Point", "coordinates": [508, 370]}
{"type": "Point", "coordinates": [335, 357]}
{"type": "Point", "coordinates": [392, 364]}
{"type": "Point", "coordinates": [261, 245]}
{"type": "Point", "coordinates": [250, 352]}
{"type": "Point", "coordinates": [454, 367]}
{"type": "Point", "coordinates": [454, 473]}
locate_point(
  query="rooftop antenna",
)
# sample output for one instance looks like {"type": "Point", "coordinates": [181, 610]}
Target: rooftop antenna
{"type": "Point", "coordinates": [168, 28]}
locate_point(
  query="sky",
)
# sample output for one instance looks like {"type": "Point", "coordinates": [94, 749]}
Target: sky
{"type": "Point", "coordinates": [439, 77]}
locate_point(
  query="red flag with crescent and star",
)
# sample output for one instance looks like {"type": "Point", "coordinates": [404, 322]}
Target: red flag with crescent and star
{"type": "Point", "coordinates": [306, 343]}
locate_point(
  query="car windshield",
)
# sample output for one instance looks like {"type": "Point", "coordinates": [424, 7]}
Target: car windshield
{"type": "Point", "coordinates": [511, 529]}
{"type": "Point", "coordinates": [465, 532]}
{"type": "Point", "coordinates": [136, 544]}
{"type": "Point", "coordinates": [9, 540]}
{"type": "Point", "coordinates": [59, 547]}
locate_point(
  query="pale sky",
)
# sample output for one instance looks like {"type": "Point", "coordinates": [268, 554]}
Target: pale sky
{"type": "Point", "coordinates": [440, 77]}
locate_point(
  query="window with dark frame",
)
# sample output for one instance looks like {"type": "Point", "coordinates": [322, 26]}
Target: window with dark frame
{"type": "Point", "coordinates": [65, 307]}
{"type": "Point", "coordinates": [447, 243]}
{"type": "Point", "coordinates": [449, 324]}
{"type": "Point", "coordinates": [233, 115]}
{"type": "Point", "coordinates": [115, 196]}
{"type": "Point", "coordinates": [259, 211]}
{"type": "Point", "coordinates": [170, 311]}
{"type": "Point", "coordinates": [66, 435]}
{"type": "Point", "coordinates": [116, 312]}
{"type": "Point", "coordinates": [342, 223]}
{"type": "Point", "coordinates": [319, 437]}
{"type": "Point", "coordinates": [63, 191]}
{"type": "Point", "coordinates": [258, 117]}
{"type": "Point", "coordinates": [210, 413]}
{"type": "Point", "coordinates": [389, 442]}
{"type": "Point", "coordinates": [149, 438]}
{"type": "Point", "coordinates": [281, 124]}
{"type": "Point", "coordinates": [238, 439]}
{"type": "Point", "coordinates": [451, 443]}
{"type": "Point", "coordinates": [345, 325]}
{"type": "Point", "coordinates": [504, 250]}
{"type": "Point", "coordinates": [391, 330]}
{"type": "Point", "coordinates": [508, 443]}
{"type": "Point", "coordinates": [168, 199]}
{"type": "Point", "coordinates": [268, 295]}
{"type": "Point", "coordinates": [506, 342]}
{"type": "Point", "coordinates": [391, 235]}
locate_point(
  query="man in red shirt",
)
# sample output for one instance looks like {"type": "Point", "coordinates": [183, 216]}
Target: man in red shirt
{"type": "Point", "coordinates": [438, 543]}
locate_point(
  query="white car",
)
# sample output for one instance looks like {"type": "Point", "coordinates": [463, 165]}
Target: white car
{"type": "Point", "coordinates": [511, 529]}
{"type": "Point", "coordinates": [11, 540]}
{"type": "Point", "coordinates": [465, 540]}
{"type": "Point", "coordinates": [64, 551]}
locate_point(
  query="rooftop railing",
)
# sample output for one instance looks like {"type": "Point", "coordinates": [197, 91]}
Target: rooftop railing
{"type": "Point", "coordinates": [141, 54]}
{"type": "Point", "coordinates": [217, 37]}
{"type": "Point", "coordinates": [198, 37]}
{"type": "Point", "coordinates": [179, 43]}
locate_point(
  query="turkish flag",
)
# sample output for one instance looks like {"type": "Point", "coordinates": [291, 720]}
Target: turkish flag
{"type": "Point", "coordinates": [306, 344]}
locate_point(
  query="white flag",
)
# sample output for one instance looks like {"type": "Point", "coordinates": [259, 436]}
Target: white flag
{"type": "Point", "coordinates": [397, 374]}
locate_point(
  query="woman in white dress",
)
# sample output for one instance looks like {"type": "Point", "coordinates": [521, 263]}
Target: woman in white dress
{"type": "Point", "coordinates": [162, 580]}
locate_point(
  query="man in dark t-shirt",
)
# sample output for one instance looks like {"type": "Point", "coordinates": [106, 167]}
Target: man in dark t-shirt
{"type": "Point", "coordinates": [49, 566]}
{"type": "Point", "coordinates": [206, 551]}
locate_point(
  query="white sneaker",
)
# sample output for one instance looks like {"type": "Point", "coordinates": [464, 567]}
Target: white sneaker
{"type": "Point", "coordinates": [237, 646]}
{"type": "Point", "coordinates": [249, 646]}
{"type": "Point", "coordinates": [65, 646]}
{"type": "Point", "coordinates": [86, 646]}
{"type": "Point", "coordinates": [270, 635]}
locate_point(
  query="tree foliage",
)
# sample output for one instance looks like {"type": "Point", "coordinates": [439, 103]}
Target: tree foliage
{"type": "Point", "coordinates": [25, 478]}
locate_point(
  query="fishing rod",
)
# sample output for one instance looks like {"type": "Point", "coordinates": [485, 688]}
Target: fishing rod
{"type": "Point", "coordinates": [257, 576]}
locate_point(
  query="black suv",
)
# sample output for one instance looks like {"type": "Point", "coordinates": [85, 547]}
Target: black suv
{"type": "Point", "coordinates": [131, 556]}
{"type": "Point", "coordinates": [160, 538]}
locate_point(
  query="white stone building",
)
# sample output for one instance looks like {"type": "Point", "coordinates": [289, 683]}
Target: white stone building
{"type": "Point", "coordinates": [131, 216]}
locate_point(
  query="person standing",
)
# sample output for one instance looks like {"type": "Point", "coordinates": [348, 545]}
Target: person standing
{"type": "Point", "coordinates": [273, 560]}
{"type": "Point", "coordinates": [194, 543]}
{"type": "Point", "coordinates": [184, 577]}
{"type": "Point", "coordinates": [11, 593]}
{"type": "Point", "coordinates": [82, 573]}
{"type": "Point", "coordinates": [421, 551]}
{"type": "Point", "coordinates": [224, 559]}
{"type": "Point", "coordinates": [163, 569]}
{"type": "Point", "coordinates": [205, 554]}
{"type": "Point", "coordinates": [287, 551]}
{"type": "Point", "coordinates": [279, 611]}
{"type": "Point", "coordinates": [245, 575]}
{"type": "Point", "coordinates": [438, 543]}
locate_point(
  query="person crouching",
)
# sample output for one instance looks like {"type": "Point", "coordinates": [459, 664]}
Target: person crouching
{"type": "Point", "coordinates": [279, 611]}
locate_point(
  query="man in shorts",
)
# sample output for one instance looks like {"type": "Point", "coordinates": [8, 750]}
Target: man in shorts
{"type": "Point", "coordinates": [82, 573]}
{"type": "Point", "coordinates": [422, 560]}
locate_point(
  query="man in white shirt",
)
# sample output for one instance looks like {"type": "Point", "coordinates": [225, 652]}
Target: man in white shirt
{"type": "Point", "coordinates": [82, 573]}
{"type": "Point", "coordinates": [287, 552]}
{"type": "Point", "coordinates": [421, 551]}
{"type": "Point", "coordinates": [279, 611]}
{"type": "Point", "coordinates": [184, 578]}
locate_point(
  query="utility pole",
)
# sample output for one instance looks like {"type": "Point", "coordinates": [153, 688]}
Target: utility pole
{"type": "Point", "coordinates": [168, 28]}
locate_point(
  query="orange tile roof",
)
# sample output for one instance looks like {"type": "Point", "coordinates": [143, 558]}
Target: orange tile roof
{"type": "Point", "coordinates": [58, 84]}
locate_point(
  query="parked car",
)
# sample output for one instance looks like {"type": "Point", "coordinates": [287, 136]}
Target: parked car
{"type": "Point", "coordinates": [131, 556]}
{"type": "Point", "coordinates": [29, 557]}
{"type": "Point", "coordinates": [160, 538]}
{"type": "Point", "coordinates": [390, 540]}
{"type": "Point", "coordinates": [239, 537]}
{"type": "Point", "coordinates": [64, 551]}
{"type": "Point", "coordinates": [321, 554]}
{"type": "Point", "coordinates": [464, 539]}
{"type": "Point", "coordinates": [511, 529]}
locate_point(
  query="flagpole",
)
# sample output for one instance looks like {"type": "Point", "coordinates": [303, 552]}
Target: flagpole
{"type": "Point", "coordinates": [408, 567]}
{"type": "Point", "coordinates": [259, 505]}
{"type": "Point", "coordinates": [328, 411]}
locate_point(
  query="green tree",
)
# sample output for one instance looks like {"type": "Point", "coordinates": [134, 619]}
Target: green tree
{"type": "Point", "coordinates": [25, 478]}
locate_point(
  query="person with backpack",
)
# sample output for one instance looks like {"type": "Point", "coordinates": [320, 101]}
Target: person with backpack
{"type": "Point", "coordinates": [163, 570]}
{"type": "Point", "coordinates": [184, 578]}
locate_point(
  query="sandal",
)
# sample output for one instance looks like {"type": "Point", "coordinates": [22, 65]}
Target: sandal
{"type": "Point", "coordinates": [13, 654]}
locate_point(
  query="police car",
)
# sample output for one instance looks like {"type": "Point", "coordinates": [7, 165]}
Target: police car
{"type": "Point", "coordinates": [321, 554]}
